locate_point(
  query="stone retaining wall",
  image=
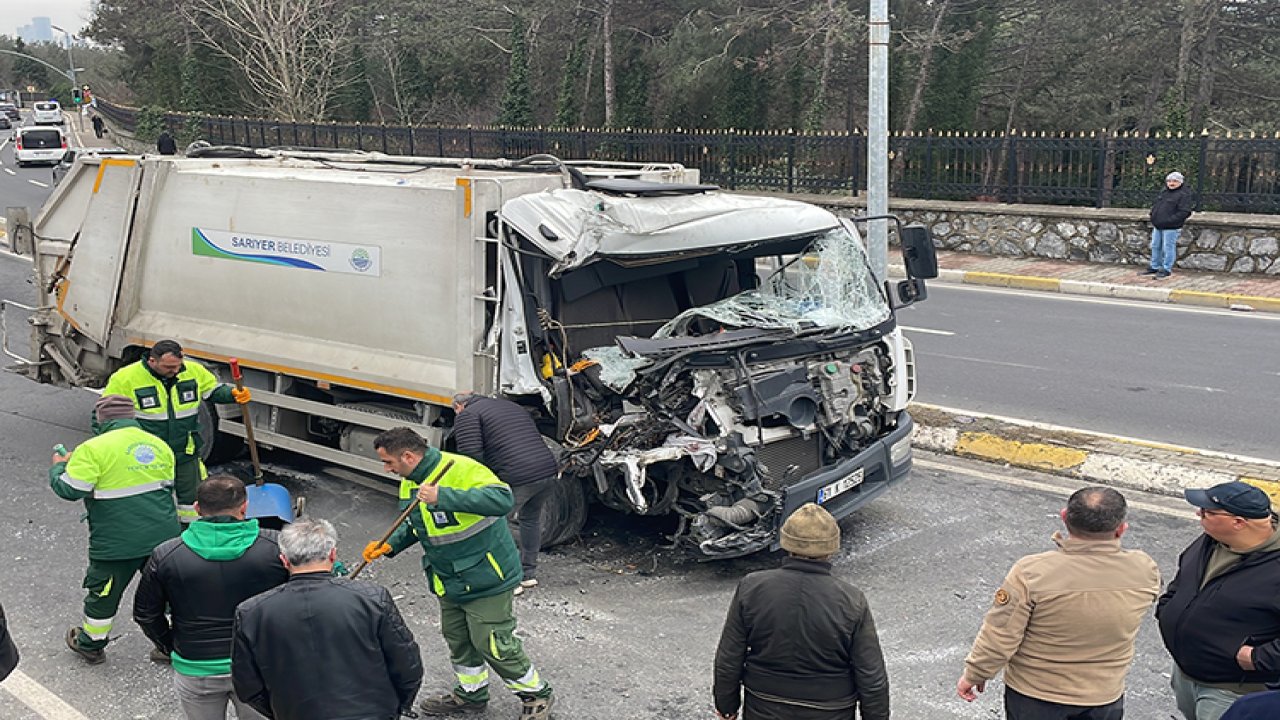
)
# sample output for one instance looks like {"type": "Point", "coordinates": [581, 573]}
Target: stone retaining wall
{"type": "Point", "coordinates": [1219, 242]}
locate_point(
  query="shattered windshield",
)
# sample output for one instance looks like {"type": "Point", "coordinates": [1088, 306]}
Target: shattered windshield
{"type": "Point", "coordinates": [828, 287]}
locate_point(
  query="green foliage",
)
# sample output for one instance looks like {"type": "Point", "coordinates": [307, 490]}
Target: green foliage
{"type": "Point", "coordinates": [151, 120]}
{"type": "Point", "coordinates": [568, 109]}
{"type": "Point", "coordinates": [517, 101]}
{"type": "Point", "coordinates": [951, 100]}
{"type": "Point", "coordinates": [634, 109]}
{"type": "Point", "coordinates": [353, 100]}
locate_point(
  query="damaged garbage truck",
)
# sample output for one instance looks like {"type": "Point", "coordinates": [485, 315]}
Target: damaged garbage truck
{"type": "Point", "coordinates": [718, 357]}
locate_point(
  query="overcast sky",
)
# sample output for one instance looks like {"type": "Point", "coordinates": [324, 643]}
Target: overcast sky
{"type": "Point", "coordinates": [71, 15]}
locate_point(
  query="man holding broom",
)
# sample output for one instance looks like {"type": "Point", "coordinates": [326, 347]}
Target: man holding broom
{"type": "Point", "coordinates": [457, 510]}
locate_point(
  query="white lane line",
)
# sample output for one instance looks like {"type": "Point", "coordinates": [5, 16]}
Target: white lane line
{"type": "Point", "coordinates": [6, 142]}
{"type": "Point", "coordinates": [10, 171]}
{"type": "Point", "coordinates": [37, 697]}
{"type": "Point", "coordinates": [1048, 488]}
{"type": "Point", "coordinates": [1137, 304]}
{"type": "Point", "coordinates": [1103, 435]}
{"type": "Point", "coordinates": [986, 362]}
{"type": "Point", "coordinates": [926, 331]}
{"type": "Point", "coordinates": [37, 182]}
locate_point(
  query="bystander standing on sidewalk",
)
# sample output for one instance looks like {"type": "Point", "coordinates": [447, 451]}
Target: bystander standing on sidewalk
{"type": "Point", "coordinates": [1168, 214]}
{"type": "Point", "coordinates": [1063, 623]}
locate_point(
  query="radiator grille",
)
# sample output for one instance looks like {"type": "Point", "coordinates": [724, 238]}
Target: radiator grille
{"type": "Point", "coordinates": [777, 457]}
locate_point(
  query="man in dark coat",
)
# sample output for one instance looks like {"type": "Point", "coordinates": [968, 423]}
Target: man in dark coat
{"type": "Point", "coordinates": [321, 647]}
{"type": "Point", "coordinates": [501, 436]}
{"type": "Point", "coordinates": [199, 578]}
{"type": "Point", "coordinates": [1255, 706]}
{"type": "Point", "coordinates": [1168, 214]}
{"type": "Point", "coordinates": [165, 144]}
{"type": "Point", "coordinates": [800, 642]}
{"type": "Point", "coordinates": [8, 651]}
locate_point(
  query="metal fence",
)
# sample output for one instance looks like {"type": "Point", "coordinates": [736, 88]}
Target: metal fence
{"type": "Point", "coordinates": [1234, 174]}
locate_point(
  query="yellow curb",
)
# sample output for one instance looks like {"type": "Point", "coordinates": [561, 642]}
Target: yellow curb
{"type": "Point", "coordinates": [1030, 282]}
{"type": "Point", "coordinates": [987, 278]}
{"type": "Point", "coordinates": [1158, 446]}
{"type": "Point", "coordinates": [1266, 304]}
{"type": "Point", "coordinates": [1270, 487]}
{"type": "Point", "coordinates": [1034, 455]}
{"type": "Point", "coordinates": [1194, 297]}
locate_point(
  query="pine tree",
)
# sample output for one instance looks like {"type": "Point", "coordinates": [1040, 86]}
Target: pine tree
{"type": "Point", "coordinates": [517, 101]}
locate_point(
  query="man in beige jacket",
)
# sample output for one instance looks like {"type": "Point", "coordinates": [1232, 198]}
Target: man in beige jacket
{"type": "Point", "coordinates": [1063, 623]}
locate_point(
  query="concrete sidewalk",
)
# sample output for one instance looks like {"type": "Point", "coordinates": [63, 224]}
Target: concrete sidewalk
{"type": "Point", "coordinates": [1237, 291]}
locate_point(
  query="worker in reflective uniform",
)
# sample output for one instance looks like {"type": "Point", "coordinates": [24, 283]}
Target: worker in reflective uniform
{"type": "Point", "coordinates": [167, 390]}
{"type": "Point", "coordinates": [125, 478]}
{"type": "Point", "coordinates": [472, 565]}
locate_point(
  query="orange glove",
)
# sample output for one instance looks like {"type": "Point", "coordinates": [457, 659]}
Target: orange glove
{"type": "Point", "coordinates": [241, 396]}
{"type": "Point", "coordinates": [374, 550]}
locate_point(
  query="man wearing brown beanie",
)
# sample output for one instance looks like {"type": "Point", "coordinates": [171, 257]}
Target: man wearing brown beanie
{"type": "Point", "coordinates": [124, 476]}
{"type": "Point", "coordinates": [800, 642]}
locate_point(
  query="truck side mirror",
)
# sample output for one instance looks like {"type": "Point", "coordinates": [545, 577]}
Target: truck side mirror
{"type": "Point", "coordinates": [918, 254]}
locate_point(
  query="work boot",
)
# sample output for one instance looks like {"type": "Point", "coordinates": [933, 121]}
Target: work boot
{"type": "Point", "coordinates": [536, 708]}
{"type": "Point", "coordinates": [1149, 271]}
{"type": "Point", "coordinates": [450, 704]}
{"type": "Point", "coordinates": [158, 655]}
{"type": "Point", "coordinates": [93, 657]}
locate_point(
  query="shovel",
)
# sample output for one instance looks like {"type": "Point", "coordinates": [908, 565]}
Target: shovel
{"type": "Point", "coordinates": [399, 521]}
{"type": "Point", "coordinates": [266, 500]}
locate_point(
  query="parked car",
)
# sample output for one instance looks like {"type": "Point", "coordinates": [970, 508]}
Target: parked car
{"type": "Point", "coordinates": [69, 158]}
{"type": "Point", "coordinates": [47, 112]}
{"type": "Point", "coordinates": [10, 111]}
{"type": "Point", "coordinates": [38, 145]}
{"type": "Point", "coordinates": [5, 123]}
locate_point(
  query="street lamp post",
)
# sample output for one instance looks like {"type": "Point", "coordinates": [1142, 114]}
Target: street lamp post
{"type": "Point", "coordinates": [71, 73]}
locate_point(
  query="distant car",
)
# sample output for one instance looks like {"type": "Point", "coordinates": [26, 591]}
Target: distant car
{"type": "Point", "coordinates": [69, 158]}
{"type": "Point", "coordinates": [10, 110]}
{"type": "Point", "coordinates": [38, 145]}
{"type": "Point", "coordinates": [47, 112]}
{"type": "Point", "coordinates": [5, 123]}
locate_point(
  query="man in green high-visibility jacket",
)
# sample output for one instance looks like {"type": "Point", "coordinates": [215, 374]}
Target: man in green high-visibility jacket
{"type": "Point", "coordinates": [125, 478]}
{"type": "Point", "coordinates": [472, 565]}
{"type": "Point", "coordinates": [167, 390]}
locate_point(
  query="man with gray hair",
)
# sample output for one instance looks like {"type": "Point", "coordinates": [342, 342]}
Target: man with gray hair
{"type": "Point", "coordinates": [1168, 214]}
{"type": "Point", "coordinates": [297, 654]}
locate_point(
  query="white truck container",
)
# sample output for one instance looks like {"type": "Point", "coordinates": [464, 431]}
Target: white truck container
{"type": "Point", "coordinates": [720, 357]}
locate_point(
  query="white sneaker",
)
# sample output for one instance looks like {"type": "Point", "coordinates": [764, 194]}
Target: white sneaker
{"type": "Point", "coordinates": [524, 585]}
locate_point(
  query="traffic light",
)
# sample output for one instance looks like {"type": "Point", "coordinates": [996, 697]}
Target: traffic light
{"type": "Point", "coordinates": [76, 96]}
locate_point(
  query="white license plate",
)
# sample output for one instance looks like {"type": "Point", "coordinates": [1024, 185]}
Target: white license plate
{"type": "Point", "coordinates": [840, 486]}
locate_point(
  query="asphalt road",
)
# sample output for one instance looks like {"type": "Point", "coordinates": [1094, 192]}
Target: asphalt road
{"type": "Point", "coordinates": [1199, 377]}
{"type": "Point", "coordinates": [621, 628]}
{"type": "Point", "coordinates": [29, 186]}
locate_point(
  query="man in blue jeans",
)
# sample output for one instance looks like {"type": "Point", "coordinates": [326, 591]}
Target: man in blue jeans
{"type": "Point", "coordinates": [1168, 214]}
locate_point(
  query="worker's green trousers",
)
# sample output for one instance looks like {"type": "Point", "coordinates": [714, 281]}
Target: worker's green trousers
{"type": "Point", "coordinates": [482, 632]}
{"type": "Point", "coordinates": [104, 582]}
{"type": "Point", "coordinates": [187, 476]}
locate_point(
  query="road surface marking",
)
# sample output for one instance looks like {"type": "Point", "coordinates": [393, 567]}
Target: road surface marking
{"type": "Point", "coordinates": [37, 697]}
{"type": "Point", "coordinates": [988, 362]}
{"type": "Point", "coordinates": [1143, 304]}
{"type": "Point", "coordinates": [926, 331]}
{"type": "Point", "coordinates": [37, 182]}
{"type": "Point", "coordinates": [1047, 487]}
{"type": "Point", "coordinates": [10, 171]}
{"type": "Point", "coordinates": [6, 142]}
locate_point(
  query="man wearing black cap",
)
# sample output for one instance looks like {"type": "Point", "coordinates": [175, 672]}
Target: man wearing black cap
{"type": "Point", "coordinates": [800, 642]}
{"type": "Point", "coordinates": [1220, 617]}
{"type": "Point", "coordinates": [124, 477]}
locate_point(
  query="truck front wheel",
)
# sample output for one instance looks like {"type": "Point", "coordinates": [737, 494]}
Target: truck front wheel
{"type": "Point", "coordinates": [564, 512]}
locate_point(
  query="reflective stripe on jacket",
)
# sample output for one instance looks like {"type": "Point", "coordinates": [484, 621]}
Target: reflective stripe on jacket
{"type": "Point", "coordinates": [469, 552]}
{"type": "Point", "coordinates": [169, 409]}
{"type": "Point", "coordinates": [124, 476]}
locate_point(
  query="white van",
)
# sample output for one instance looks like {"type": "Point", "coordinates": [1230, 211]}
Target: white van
{"type": "Point", "coordinates": [38, 145]}
{"type": "Point", "coordinates": [47, 112]}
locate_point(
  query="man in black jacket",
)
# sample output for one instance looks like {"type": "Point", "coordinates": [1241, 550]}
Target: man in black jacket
{"type": "Point", "coordinates": [1168, 214]}
{"type": "Point", "coordinates": [320, 647]}
{"type": "Point", "coordinates": [199, 578]}
{"type": "Point", "coordinates": [501, 435]}
{"type": "Point", "coordinates": [1220, 617]}
{"type": "Point", "coordinates": [8, 651]}
{"type": "Point", "coordinates": [801, 643]}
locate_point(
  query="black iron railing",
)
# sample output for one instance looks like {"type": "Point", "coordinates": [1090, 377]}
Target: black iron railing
{"type": "Point", "coordinates": [1227, 173]}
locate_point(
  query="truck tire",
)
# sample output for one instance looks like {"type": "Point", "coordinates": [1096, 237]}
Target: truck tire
{"type": "Point", "coordinates": [564, 512]}
{"type": "Point", "coordinates": [216, 447]}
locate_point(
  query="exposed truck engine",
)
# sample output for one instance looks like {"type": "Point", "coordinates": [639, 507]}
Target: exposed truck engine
{"type": "Point", "coordinates": [722, 358]}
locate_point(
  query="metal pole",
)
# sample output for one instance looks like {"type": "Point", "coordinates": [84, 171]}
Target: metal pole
{"type": "Point", "coordinates": [878, 137]}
